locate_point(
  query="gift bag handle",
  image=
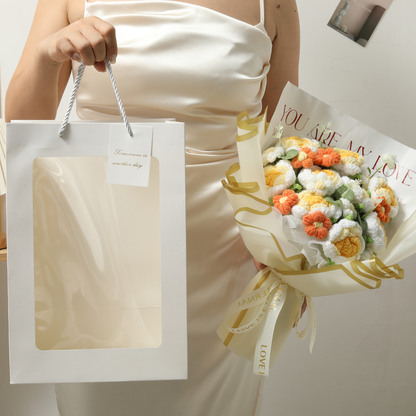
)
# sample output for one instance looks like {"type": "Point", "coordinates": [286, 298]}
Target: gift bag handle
{"type": "Point", "coordinates": [77, 81]}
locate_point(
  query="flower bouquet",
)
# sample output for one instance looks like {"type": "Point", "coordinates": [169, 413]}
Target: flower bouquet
{"type": "Point", "coordinates": [326, 207]}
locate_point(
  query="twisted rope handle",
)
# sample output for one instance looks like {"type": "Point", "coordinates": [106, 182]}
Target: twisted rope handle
{"type": "Point", "coordinates": [77, 81]}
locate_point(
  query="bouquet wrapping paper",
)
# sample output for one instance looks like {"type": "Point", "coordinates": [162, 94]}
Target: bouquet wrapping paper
{"type": "Point", "coordinates": [257, 324]}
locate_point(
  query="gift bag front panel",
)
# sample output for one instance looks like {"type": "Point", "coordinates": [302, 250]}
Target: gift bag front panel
{"type": "Point", "coordinates": [116, 359]}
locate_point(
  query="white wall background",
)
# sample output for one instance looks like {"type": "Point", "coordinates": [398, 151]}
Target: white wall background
{"type": "Point", "coordinates": [363, 361]}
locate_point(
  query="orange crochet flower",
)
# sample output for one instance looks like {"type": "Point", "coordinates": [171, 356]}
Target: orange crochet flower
{"type": "Point", "coordinates": [327, 157]}
{"type": "Point", "coordinates": [304, 159]}
{"type": "Point", "coordinates": [285, 202]}
{"type": "Point", "coordinates": [317, 225]}
{"type": "Point", "coordinates": [383, 210]}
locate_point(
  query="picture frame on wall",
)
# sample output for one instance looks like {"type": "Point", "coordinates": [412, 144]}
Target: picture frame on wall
{"type": "Point", "coordinates": [358, 19]}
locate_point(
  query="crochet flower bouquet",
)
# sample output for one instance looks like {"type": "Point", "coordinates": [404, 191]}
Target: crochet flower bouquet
{"type": "Point", "coordinates": [326, 207]}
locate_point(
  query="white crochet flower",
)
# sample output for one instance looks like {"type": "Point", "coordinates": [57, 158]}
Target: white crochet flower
{"type": "Point", "coordinates": [304, 174]}
{"type": "Point", "coordinates": [379, 189]}
{"type": "Point", "coordinates": [354, 185]}
{"type": "Point", "coordinates": [376, 231]}
{"type": "Point", "coordinates": [365, 176]}
{"type": "Point", "coordinates": [368, 204]}
{"type": "Point", "coordinates": [299, 211]}
{"type": "Point", "coordinates": [319, 184]}
{"type": "Point", "coordinates": [389, 160]}
{"type": "Point", "coordinates": [367, 254]}
{"type": "Point", "coordinates": [271, 154]}
{"type": "Point", "coordinates": [279, 177]}
{"type": "Point", "coordinates": [348, 209]}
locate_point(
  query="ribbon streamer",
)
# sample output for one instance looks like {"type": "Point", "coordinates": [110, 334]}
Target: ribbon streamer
{"type": "Point", "coordinates": [269, 299]}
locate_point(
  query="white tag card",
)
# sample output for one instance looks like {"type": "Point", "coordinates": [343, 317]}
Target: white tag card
{"type": "Point", "coordinates": [129, 157]}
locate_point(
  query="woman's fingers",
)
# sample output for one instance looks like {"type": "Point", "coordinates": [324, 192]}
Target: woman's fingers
{"type": "Point", "coordinates": [304, 306]}
{"type": "Point", "coordinates": [108, 32]}
{"type": "Point", "coordinates": [84, 49]}
{"type": "Point", "coordinates": [302, 309]}
{"type": "Point", "coordinates": [259, 266]}
{"type": "Point", "coordinates": [64, 50]}
{"type": "Point", "coordinates": [92, 46]}
{"type": "Point", "coordinates": [90, 40]}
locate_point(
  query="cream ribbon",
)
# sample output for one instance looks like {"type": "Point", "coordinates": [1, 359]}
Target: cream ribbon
{"type": "Point", "coordinates": [270, 297]}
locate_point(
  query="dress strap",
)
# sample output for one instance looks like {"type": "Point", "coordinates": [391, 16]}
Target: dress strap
{"type": "Point", "coordinates": [262, 12]}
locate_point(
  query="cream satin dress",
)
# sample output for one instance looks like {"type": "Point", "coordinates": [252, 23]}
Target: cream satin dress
{"type": "Point", "coordinates": [182, 61]}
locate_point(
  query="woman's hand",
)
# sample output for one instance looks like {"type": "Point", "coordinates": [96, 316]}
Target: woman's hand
{"type": "Point", "coordinates": [90, 40]}
{"type": "Point", "coordinates": [58, 35]}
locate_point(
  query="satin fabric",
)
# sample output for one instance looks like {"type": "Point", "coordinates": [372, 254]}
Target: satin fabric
{"type": "Point", "coordinates": [182, 61]}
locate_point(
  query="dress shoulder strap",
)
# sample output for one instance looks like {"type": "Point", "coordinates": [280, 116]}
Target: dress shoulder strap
{"type": "Point", "coordinates": [262, 12]}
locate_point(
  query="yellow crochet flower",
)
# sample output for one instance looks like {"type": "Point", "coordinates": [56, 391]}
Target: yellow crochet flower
{"type": "Point", "coordinates": [297, 143]}
{"type": "Point", "coordinates": [345, 242]}
{"type": "Point", "coordinates": [312, 201]}
{"type": "Point", "coordinates": [348, 247]}
{"type": "Point", "coordinates": [279, 177]}
{"type": "Point", "coordinates": [308, 202]}
{"type": "Point", "coordinates": [351, 162]}
{"type": "Point", "coordinates": [333, 176]}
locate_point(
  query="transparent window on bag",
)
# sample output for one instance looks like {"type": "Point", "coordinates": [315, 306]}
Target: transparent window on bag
{"type": "Point", "coordinates": [97, 255]}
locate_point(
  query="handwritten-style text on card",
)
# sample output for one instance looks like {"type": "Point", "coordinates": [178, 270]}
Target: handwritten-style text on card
{"type": "Point", "coordinates": [129, 157]}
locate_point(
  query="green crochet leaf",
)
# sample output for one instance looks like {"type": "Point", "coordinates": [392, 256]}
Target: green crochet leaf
{"type": "Point", "coordinates": [339, 192]}
{"type": "Point", "coordinates": [296, 187]}
{"type": "Point", "coordinates": [357, 176]}
{"type": "Point", "coordinates": [290, 154]}
{"type": "Point", "coordinates": [359, 207]}
{"type": "Point", "coordinates": [332, 200]}
{"type": "Point", "coordinates": [330, 262]}
{"type": "Point", "coordinates": [348, 195]}
{"type": "Point", "coordinates": [368, 239]}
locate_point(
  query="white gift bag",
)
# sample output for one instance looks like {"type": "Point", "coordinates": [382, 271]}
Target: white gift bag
{"type": "Point", "coordinates": [96, 270]}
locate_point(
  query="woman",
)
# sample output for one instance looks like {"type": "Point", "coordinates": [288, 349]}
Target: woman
{"type": "Point", "coordinates": [201, 62]}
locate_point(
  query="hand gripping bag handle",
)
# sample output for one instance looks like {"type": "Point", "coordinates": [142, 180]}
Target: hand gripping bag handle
{"type": "Point", "coordinates": [74, 93]}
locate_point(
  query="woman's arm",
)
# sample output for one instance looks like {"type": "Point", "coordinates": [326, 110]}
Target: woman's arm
{"type": "Point", "coordinates": [41, 76]}
{"type": "Point", "coordinates": [285, 54]}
